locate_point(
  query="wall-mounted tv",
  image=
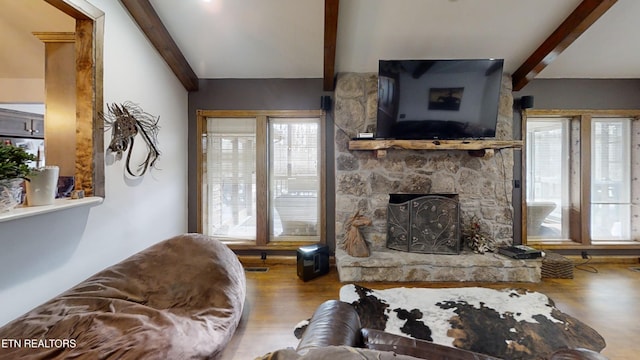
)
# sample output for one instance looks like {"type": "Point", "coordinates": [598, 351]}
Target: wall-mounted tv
{"type": "Point", "coordinates": [438, 99]}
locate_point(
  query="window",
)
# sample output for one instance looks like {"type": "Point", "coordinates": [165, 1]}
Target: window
{"type": "Point", "coordinates": [548, 178]}
{"type": "Point", "coordinates": [261, 176]}
{"type": "Point", "coordinates": [294, 181]}
{"type": "Point", "coordinates": [230, 178]}
{"type": "Point", "coordinates": [610, 179]}
{"type": "Point", "coordinates": [579, 179]}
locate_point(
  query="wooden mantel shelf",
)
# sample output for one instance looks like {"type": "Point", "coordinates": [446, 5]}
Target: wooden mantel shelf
{"type": "Point", "coordinates": [381, 145]}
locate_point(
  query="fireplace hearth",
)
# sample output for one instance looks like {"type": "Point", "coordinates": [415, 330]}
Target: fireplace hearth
{"type": "Point", "coordinates": [424, 223]}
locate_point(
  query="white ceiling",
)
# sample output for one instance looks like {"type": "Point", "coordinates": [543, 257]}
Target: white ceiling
{"type": "Point", "coordinates": [247, 38]}
{"type": "Point", "coordinates": [284, 38]}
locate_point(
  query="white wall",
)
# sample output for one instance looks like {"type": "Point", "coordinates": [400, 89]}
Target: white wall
{"type": "Point", "coordinates": [44, 255]}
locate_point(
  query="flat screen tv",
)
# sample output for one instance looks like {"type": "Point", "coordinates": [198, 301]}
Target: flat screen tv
{"type": "Point", "coordinates": [438, 99]}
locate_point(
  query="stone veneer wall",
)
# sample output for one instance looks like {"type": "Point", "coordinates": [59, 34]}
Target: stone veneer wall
{"type": "Point", "coordinates": [363, 181]}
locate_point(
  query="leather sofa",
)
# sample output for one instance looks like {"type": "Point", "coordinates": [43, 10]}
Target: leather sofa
{"type": "Point", "coordinates": [179, 299]}
{"type": "Point", "coordinates": [334, 331]}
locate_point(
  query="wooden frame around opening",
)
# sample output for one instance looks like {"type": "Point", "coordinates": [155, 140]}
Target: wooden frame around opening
{"type": "Point", "coordinates": [89, 30]}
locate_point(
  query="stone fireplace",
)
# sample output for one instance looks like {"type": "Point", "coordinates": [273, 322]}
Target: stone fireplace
{"type": "Point", "coordinates": [363, 182]}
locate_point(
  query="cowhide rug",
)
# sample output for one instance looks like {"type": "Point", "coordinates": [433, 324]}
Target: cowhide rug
{"type": "Point", "coordinates": [509, 324]}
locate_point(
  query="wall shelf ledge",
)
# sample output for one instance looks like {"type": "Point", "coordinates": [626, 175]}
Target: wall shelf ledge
{"type": "Point", "coordinates": [59, 204]}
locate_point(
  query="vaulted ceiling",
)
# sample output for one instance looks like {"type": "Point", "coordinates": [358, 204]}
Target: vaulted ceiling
{"type": "Point", "coordinates": [289, 38]}
{"type": "Point", "coordinates": [203, 39]}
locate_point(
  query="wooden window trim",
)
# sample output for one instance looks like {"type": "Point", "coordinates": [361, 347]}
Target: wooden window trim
{"type": "Point", "coordinates": [585, 180]}
{"type": "Point", "coordinates": [579, 217]}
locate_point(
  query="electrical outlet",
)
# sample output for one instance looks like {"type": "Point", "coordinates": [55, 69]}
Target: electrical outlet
{"type": "Point", "coordinates": [585, 255]}
{"type": "Point", "coordinates": [263, 255]}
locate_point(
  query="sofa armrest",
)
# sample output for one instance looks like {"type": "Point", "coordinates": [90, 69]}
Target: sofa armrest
{"type": "Point", "coordinates": [333, 323]}
{"type": "Point", "coordinates": [384, 341]}
{"type": "Point", "coordinates": [576, 354]}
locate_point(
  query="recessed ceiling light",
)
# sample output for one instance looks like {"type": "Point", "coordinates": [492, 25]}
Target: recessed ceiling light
{"type": "Point", "coordinates": [212, 6]}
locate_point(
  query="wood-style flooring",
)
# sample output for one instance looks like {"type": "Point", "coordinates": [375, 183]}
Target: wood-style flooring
{"type": "Point", "coordinates": [604, 296]}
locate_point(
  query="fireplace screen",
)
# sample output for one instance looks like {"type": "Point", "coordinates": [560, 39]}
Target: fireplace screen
{"type": "Point", "coordinates": [427, 224]}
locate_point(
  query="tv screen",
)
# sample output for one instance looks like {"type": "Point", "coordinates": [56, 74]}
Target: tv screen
{"type": "Point", "coordinates": [438, 99]}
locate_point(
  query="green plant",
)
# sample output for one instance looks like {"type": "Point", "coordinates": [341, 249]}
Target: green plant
{"type": "Point", "coordinates": [14, 162]}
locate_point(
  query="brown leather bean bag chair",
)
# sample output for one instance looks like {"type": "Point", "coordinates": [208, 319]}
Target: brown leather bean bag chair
{"type": "Point", "coordinates": [179, 299]}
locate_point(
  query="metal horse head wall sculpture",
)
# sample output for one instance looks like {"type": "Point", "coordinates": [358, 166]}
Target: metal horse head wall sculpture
{"type": "Point", "coordinates": [127, 120]}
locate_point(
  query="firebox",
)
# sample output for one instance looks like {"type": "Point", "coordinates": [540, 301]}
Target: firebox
{"type": "Point", "coordinates": [424, 223]}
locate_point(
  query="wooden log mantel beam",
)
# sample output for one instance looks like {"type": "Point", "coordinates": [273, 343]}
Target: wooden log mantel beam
{"type": "Point", "coordinates": [433, 144]}
{"type": "Point", "coordinates": [330, 38]}
{"type": "Point", "coordinates": [585, 15]}
{"type": "Point", "coordinates": [477, 148]}
{"type": "Point", "coordinates": [149, 22]}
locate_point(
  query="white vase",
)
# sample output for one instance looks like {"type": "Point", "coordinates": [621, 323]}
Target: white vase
{"type": "Point", "coordinates": [43, 186]}
{"type": "Point", "coordinates": [10, 194]}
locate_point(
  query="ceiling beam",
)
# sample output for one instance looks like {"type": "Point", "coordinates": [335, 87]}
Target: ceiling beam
{"type": "Point", "coordinates": [148, 20]}
{"type": "Point", "coordinates": [330, 37]}
{"type": "Point", "coordinates": [585, 15]}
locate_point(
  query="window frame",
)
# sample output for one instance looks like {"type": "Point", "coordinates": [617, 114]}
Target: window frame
{"type": "Point", "coordinates": [580, 213]}
{"type": "Point", "coordinates": [262, 240]}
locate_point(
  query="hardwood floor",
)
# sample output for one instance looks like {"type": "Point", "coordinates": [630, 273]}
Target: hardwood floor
{"type": "Point", "coordinates": [607, 300]}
